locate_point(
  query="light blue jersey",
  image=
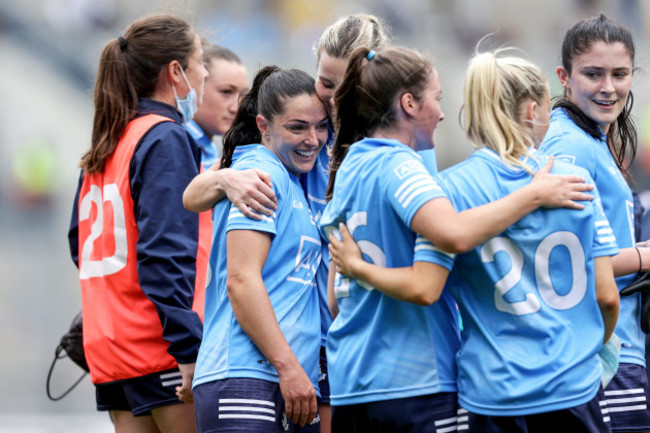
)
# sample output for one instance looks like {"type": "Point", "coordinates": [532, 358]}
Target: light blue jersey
{"type": "Point", "coordinates": [379, 348]}
{"type": "Point", "coordinates": [210, 153]}
{"type": "Point", "coordinates": [315, 185]}
{"type": "Point", "coordinates": [532, 327]}
{"type": "Point", "coordinates": [288, 274]}
{"type": "Point", "coordinates": [568, 142]}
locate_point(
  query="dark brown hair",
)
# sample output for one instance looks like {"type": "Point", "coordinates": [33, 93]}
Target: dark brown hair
{"type": "Point", "coordinates": [621, 136]}
{"type": "Point", "coordinates": [272, 88]}
{"type": "Point", "coordinates": [129, 68]}
{"type": "Point", "coordinates": [365, 99]}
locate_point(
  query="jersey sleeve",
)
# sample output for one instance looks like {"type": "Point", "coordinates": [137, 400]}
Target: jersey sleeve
{"type": "Point", "coordinates": [409, 185]}
{"type": "Point", "coordinates": [425, 251]}
{"type": "Point", "coordinates": [164, 163]}
{"type": "Point", "coordinates": [279, 180]}
{"type": "Point", "coordinates": [571, 148]}
{"type": "Point", "coordinates": [604, 239]}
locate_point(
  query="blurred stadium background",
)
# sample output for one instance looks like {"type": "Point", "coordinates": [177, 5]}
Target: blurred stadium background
{"type": "Point", "coordinates": [49, 51]}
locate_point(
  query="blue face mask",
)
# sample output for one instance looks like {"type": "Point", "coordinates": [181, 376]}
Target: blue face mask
{"type": "Point", "coordinates": [190, 104]}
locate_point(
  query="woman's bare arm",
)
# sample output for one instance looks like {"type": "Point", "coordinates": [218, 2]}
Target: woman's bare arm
{"type": "Point", "coordinates": [250, 190]}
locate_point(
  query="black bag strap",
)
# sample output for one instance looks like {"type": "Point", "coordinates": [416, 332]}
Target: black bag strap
{"type": "Point", "coordinates": [59, 353]}
{"type": "Point", "coordinates": [71, 347]}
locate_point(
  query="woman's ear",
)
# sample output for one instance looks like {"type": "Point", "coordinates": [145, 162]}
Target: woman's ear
{"type": "Point", "coordinates": [262, 124]}
{"type": "Point", "coordinates": [529, 111]}
{"type": "Point", "coordinates": [173, 72]}
{"type": "Point", "coordinates": [563, 76]}
{"type": "Point", "coordinates": [408, 103]}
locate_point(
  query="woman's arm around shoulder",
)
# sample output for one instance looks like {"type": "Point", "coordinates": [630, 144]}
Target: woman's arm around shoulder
{"type": "Point", "coordinates": [458, 232]}
{"type": "Point", "coordinates": [250, 190]}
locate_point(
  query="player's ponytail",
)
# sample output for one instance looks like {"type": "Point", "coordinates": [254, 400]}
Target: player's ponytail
{"type": "Point", "coordinates": [365, 99]}
{"type": "Point", "coordinates": [497, 89]}
{"type": "Point", "coordinates": [244, 127]}
{"type": "Point", "coordinates": [130, 68]}
{"type": "Point", "coordinates": [348, 124]}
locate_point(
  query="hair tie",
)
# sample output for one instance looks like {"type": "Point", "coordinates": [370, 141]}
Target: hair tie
{"type": "Point", "coordinates": [123, 43]}
{"type": "Point", "coordinates": [371, 54]}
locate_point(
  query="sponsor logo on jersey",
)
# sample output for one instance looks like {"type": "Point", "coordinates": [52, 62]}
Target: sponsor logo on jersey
{"type": "Point", "coordinates": [408, 167]}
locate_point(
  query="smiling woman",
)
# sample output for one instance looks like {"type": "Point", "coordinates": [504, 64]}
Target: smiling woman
{"type": "Point", "coordinates": [261, 335]}
{"type": "Point", "coordinates": [600, 83]}
{"type": "Point", "coordinates": [505, 114]}
{"type": "Point", "coordinates": [591, 127]}
{"type": "Point", "coordinates": [297, 134]}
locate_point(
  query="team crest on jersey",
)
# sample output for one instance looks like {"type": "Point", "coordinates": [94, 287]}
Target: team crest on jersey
{"type": "Point", "coordinates": [408, 167]}
{"type": "Point", "coordinates": [297, 204]}
{"type": "Point", "coordinates": [569, 159]}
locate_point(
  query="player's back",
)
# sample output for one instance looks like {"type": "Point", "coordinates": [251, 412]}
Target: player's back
{"type": "Point", "coordinates": [379, 348]}
{"type": "Point", "coordinates": [532, 326]}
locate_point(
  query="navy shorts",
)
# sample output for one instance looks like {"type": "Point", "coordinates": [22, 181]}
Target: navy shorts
{"type": "Point", "coordinates": [626, 399]}
{"type": "Point", "coordinates": [244, 405]}
{"type": "Point", "coordinates": [585, 418]}
{"type": "Point", "coordinates": [433, 413]}
{"type": "Point", "coordinates": [323, 380]}
{"type": "Point", "coordinates": [141, 394]}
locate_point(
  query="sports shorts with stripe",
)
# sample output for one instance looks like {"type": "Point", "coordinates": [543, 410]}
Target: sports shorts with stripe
{"type": "Point", "coordinates": [626, 400]}
{"type": "Point", "coordinates": [244, 405]}
{"type": "Point", "coordinates": [141, 394]}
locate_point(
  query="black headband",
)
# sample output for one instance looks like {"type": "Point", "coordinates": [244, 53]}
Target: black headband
{"type": "Point", "coordinates": [122, 43]}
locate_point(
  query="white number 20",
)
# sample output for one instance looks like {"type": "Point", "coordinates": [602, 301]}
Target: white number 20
{"type": "Point", "coordinates": [542, 273]}
{"type": "Point", "coordinates": [106, 265]}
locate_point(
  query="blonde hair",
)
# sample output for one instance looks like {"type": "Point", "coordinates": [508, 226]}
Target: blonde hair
{"type": "Point", "coordinates": [350, 32]}
{"type": "Point", "coordinates": [496, 90]}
